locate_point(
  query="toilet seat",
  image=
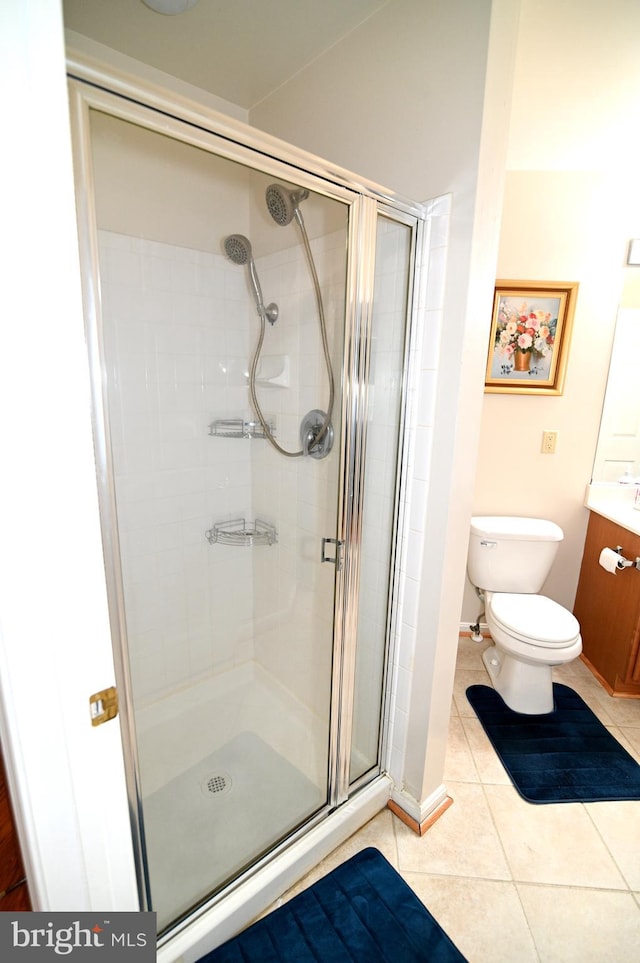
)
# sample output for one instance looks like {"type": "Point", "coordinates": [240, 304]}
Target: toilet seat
{"type": "Point", "coordinates": [534, 619]}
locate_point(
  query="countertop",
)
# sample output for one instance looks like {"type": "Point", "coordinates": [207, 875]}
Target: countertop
{"type": "Point", "coordinates": [615, 502]}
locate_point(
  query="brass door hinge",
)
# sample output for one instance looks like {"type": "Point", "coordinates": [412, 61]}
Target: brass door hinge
{"type": "Point", "coordinates": [103, 705]}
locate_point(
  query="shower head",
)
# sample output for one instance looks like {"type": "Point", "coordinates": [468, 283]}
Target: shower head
{"type": "Point", "coordinates": [282, 203]}
{"type": "Point", "coordinates": [238, 249]}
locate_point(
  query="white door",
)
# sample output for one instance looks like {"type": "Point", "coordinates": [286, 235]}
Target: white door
{"type": "Point", "coordinates": [66, 776]}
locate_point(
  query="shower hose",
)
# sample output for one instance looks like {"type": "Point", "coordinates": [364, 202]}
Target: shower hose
{"type": "Point", "coordinates": [327, 358]}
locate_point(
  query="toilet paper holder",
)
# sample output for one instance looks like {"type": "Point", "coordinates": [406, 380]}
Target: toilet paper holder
{"type": "Point", "coordinates": [627, 562]}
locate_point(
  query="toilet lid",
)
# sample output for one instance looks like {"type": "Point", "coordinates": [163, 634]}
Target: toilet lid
{"type": "Point", "coordinates": [535, 619]}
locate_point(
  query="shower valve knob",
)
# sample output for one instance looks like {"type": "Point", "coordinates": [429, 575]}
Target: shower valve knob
{"type": "Point", "coordinates": [310, 428]}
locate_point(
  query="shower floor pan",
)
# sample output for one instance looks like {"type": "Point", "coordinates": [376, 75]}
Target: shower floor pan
{"type": "Point", "coordinates": [215, 794]}
{"type": "Point", "coordinates": [215, 819]}
{"type": "Point", "coordinates": [178, 731]}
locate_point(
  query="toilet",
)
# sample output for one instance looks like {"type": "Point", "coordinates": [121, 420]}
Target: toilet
{"type": "Point", "coordinates": [509, 560]}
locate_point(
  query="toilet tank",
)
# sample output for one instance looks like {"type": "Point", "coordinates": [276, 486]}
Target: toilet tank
{"type": "Point", "coordinates": [509, 553]}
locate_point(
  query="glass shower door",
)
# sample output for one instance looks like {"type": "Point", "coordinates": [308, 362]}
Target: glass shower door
{"type": "Point", "coordinates": [214, 506]}
{"type": "Point", "coordinates": [387, 364]}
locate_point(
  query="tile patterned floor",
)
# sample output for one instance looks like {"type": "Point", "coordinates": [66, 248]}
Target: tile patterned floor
{"type": "Point", "coordinates": [513, 882]}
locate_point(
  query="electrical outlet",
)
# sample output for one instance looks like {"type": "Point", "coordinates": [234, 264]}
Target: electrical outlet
{"type": "Point", "coordinates": [549, 439]}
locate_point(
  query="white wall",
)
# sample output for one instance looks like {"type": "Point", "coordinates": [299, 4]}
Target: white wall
{"type": "Point", "coordinates": [572, 203]}
{"type": "Point", "coordinates": [55, 648]}
{"type": "Point", "coordinates": [399, 100]}
{"type": "Point", "coordinates": [152, 186]}
{"type": "Point", "coordinates": [135, 68]}
{"type": "Point", "coordinates": [575, 94]}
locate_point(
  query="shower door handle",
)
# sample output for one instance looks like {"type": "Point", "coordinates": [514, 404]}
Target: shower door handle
{"type": "Point", "coordinates": [337, 558]}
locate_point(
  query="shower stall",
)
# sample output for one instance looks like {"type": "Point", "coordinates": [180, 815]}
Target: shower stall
{"type": "Point", "coordinates": [248, 328]}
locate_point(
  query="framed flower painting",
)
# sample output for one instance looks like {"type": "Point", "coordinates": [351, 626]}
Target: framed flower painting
{"type": "Point", "coordinates": [530, 335]}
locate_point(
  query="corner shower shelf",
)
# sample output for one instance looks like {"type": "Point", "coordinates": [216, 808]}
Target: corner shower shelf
{"type": "Point", "coordinates": [237, 532]}
{"type": "Point", "coordinates": [239, 428]}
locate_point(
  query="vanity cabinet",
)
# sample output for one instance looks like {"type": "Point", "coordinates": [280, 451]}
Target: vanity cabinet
{"type": "Point", "coordinates": [607, 607]}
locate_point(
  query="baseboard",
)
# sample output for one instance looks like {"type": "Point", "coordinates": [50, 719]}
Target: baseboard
{"type": "Point", "coordinates": [419, 816]}
{"type": "Point", "coordinates": [419, 828]}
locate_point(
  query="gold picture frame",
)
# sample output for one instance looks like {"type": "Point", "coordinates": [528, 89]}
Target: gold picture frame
{"type": "Point", "coordinates": [530, 336]}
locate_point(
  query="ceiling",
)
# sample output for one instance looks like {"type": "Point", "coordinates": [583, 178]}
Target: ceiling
{"type": "Point", "coordinates": [240, 50]}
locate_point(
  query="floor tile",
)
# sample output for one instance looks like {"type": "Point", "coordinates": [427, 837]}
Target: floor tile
{"type": "Point", "coordinates": [619, 825]}
{"type": "Point", "coordinates": [555, 844]}
{"type": "Point", "coordinates": [578, 926]}
{"type": "Point", "coordinates": [464, 678]}
{"type": "Point", "coordinates": [459, 765]}
{"type": "Point", "coordinates": [572, 671]}
{"type": "Point", "coordinates": [470, 652]}
{"type": "Point", "coordinates": [463, 842]}
{"type": "Point", "coordinates": [486, 760]}
{"type": "Point", "coordinates": [622, 712]}
{"type": "Point", "coordinates": [463, 906]}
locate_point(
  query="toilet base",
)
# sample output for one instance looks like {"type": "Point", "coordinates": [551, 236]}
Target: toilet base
{"type": "Point", "coordinates": [524, 687]}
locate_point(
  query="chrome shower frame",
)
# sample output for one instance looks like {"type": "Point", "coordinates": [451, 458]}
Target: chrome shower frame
{"type": "Point", "coordinates": [95, 88]}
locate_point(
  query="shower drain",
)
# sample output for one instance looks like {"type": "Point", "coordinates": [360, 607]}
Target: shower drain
{"type": "Point", "coordinates": [216, 784]}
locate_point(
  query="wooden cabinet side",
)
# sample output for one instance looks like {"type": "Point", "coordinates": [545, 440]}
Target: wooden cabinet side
{"type": "Point", "coordinates": [607, 606]}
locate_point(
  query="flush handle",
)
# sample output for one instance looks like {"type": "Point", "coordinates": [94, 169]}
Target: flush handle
{"type": "Point", "coordinates": [487, 544]}
{"type": "Point", "coordinates": [103, 706]}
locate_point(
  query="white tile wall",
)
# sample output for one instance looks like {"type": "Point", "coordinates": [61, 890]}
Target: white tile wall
{"type": "Point", "coordinates": [179, 329]}
{"type": "Point", "coordinates": [169, 376]}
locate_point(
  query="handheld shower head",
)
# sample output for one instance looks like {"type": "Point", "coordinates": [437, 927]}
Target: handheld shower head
{"type": "Point", "coordinates": [238, 249]}
{"type": "Point", "coordinates": [282, 203]}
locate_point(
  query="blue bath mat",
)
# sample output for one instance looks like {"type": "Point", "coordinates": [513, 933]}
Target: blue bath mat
{"type": "Point", "coordinates": [563, 756]}
{"type": "Point", "coordinates": [362, 912]}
